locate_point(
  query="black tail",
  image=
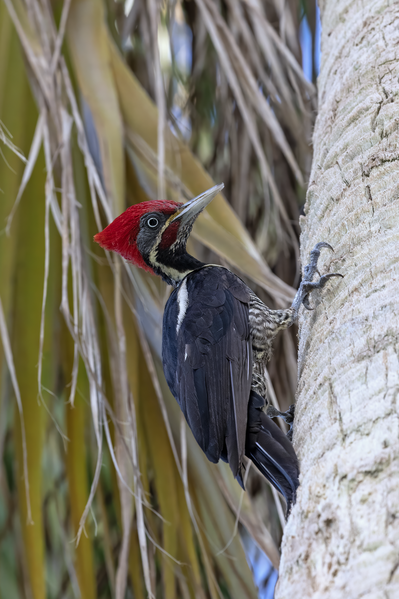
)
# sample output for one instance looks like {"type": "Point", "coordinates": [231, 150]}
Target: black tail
{"type": "Point", "coordinates": [271, 451]}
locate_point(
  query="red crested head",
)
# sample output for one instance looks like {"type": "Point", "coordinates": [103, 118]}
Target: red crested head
{"type": "Point", "coordinates": [121, 235]}
{"type": "Point", "coordinates": [153, 235]}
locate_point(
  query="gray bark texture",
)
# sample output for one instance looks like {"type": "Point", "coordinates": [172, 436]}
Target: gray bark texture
{"type": "Point", "coordinates": [342, 538]}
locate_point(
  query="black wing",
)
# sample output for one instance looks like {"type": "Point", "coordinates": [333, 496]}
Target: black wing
{"type": "Point", "coordinates": [207, 359]}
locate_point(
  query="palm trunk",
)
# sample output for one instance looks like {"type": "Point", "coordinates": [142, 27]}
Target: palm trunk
{"type": "Point", "coordinates": [342, 538]}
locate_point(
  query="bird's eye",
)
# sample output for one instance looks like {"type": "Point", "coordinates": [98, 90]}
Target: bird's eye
{"type": "Point", "coordinates": [152, 222]}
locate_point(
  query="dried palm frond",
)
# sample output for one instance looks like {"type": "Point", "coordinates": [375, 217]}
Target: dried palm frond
{"type": "Point", "coordinates": [115, 103]}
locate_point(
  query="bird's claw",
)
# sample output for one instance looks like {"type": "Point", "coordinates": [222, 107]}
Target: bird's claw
{"type": "Point", "coordinates": [311, 268]}
{"type": "Point", "coordinates": [287, 416]}
{"type": "Point", "coordinates": [329, 275]}
{"type": "Point", "coordinates": [306, 303]}
{"type": "Point", "coordinates": [308, 285]}
{"type": "Point", "coordinates": [322, 244]}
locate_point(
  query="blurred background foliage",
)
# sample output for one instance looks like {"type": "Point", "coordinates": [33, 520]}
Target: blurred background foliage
{"type": "Point", "coordinates": [104, 103]}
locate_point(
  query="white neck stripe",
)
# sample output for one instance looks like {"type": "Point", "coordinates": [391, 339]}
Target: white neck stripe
{"type": "Point", "coordinates": [182, 302]}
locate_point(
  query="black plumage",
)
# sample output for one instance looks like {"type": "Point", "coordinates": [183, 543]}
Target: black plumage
{"type": "Point", "coordinates": [271, 451]}
{"type": "Point", "coordinates": [208, 362]}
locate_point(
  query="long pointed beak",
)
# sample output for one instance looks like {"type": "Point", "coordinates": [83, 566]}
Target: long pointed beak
{"type": "Point", "coordinates": [191, 209]}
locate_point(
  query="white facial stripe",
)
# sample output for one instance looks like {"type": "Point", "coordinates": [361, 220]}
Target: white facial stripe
{"type": "Point", "coordinates": [182, 302]}
{"type": "Point", "coordinates": [155, 247]}
{"type": "Point", "coordinates": [152, 256]}
{"type": "Point", "coordinates": [169, 271]}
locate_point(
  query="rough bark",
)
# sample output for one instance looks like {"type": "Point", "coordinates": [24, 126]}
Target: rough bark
{"type": "Point", "coordinates": [342, 538]}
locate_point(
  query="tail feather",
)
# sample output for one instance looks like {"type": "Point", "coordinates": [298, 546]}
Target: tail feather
{"type": "Point", "coordinates": [271, 452]}
{"type": "Point", "coordinates": [267, 473]}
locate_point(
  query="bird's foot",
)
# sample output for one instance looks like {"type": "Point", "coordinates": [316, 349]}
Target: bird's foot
{"type": "Point", "coordinates": [308, 285]}
{"type": "Point", "coordinates": [287, 416]}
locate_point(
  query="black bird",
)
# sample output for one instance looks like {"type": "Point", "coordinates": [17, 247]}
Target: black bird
{"type": "Point", "coordinates": [217, 339]}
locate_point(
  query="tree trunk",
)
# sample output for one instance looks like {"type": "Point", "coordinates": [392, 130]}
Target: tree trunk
{"type": "Point", "coordinates": [342, 538]}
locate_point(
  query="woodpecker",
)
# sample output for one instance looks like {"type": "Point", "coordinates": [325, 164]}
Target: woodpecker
{"type": "Point", "coordinates": [217, 339]}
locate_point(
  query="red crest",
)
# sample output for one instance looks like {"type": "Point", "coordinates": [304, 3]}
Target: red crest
{"type": "Point", "coordinates": [120, 235]}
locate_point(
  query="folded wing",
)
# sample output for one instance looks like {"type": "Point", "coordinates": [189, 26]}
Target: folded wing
{"type": "Point", "coordinates": [207, 357]}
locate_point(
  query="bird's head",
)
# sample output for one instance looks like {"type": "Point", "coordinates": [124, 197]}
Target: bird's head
{"type": "Point", "coordinates": [153, 235]}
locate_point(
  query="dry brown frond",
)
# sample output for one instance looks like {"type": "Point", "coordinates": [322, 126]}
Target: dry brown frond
{"type": "Point", "coordinates": [203, 91]}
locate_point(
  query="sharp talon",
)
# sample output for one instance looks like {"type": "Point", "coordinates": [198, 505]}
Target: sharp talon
{"type": "Point", "coordinates": [332, 274]}
{"type": "Point", "coordinates": [322, 281]}
{"type": "Point", "coordinates": [322, 244]}
{"type": "Point", "coordinates": [307, 304]}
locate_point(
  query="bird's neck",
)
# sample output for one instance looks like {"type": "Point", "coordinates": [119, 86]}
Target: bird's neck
{"type": "Point", "coordinates": [174, 267]}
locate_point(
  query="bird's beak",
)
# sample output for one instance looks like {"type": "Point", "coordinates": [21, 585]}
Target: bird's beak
{"type": "Point", "coordinates": [190, 210]}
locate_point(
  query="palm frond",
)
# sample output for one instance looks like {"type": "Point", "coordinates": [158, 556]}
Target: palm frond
{"type": "Point", "coordinates": [99, 98]}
